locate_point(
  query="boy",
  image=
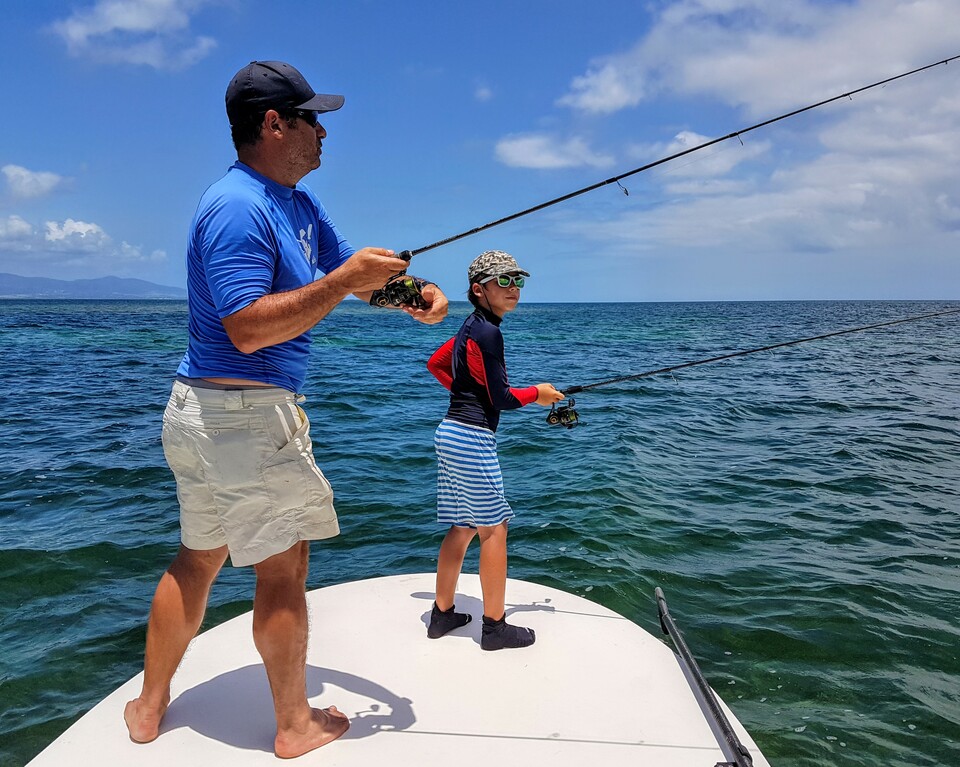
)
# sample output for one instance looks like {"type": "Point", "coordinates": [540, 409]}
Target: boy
{"type": "Point", "coordinates": [470, 494]}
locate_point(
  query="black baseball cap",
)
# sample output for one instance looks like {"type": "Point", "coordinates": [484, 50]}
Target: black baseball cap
{"type": "Point", "coordinates": [263, 85]}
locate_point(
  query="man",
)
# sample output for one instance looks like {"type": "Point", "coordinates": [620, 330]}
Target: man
{"type": "Point", "coordinates": [233, 432]}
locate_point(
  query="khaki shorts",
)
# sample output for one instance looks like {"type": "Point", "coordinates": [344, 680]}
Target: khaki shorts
{"type": "Point", "coordinates": [246, 476]}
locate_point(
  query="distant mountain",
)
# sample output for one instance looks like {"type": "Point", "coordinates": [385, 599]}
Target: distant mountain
{"type": "Point", "coordinates": [15, 286]}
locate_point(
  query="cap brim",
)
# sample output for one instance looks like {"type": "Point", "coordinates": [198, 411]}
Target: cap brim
{"type": "Point", "coordinates": [322, 102]}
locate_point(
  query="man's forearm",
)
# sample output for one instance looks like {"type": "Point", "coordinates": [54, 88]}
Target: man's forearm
{"type": "Point", "coordinates": [278, 317]}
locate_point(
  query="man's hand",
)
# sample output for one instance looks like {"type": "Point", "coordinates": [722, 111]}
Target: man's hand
{"type": "Point", "coordinates": [367, 269]}
{"type": "Point", "coordinates": [435, 309]}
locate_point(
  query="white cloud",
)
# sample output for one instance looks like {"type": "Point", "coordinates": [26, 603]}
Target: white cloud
{"type": "Point", "coordinates": [134, 254]}
{"type": "Point", "coordinates": [858, 200]}
{"type": "Point", "coordinates": [13, 230]}
{"type": "Point", "coordinates": [153, 33]}
{"type": "Point", "coordinates": [863, 184]}
{"type": "Point", "coordinates": [482, 93]}
{"type": "Point", "coordinates": [537, 150]}
{"type": "Point", "coordinates": [712, 161]}
{"type": "Point", "coordinates": [948, 210]}
{"type": "Point", "coordinates": [607, 87]}
{"type": "Point", "coordinates": [767, 56]}
{"type": "Point", "coordinates": [28, 183]}
{"type": "Point", "coordinates": [75, 236]}
{"type": "Point", "coordinates": [70, 249]}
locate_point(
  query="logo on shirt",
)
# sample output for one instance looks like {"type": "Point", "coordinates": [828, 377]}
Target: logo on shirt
{"type": "Point", "coordinates": [305, 235]}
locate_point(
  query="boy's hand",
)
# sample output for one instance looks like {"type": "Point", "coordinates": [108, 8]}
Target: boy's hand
{"type": "Point", "coordinates": [547, 395]}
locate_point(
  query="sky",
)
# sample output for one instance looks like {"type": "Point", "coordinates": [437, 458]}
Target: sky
{"type": "Point", "coordinates": [458, 114]}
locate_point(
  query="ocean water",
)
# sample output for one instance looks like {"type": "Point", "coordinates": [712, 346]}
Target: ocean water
{"type": "Point", "coordinates": [799, 507]}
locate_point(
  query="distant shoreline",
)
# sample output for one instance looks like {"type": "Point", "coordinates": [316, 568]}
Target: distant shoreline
{"type": "Point", "coordinates": [15, 286]}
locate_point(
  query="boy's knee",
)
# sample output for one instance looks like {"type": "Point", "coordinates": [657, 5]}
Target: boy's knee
{"type": "Point", "coordinates": [462, 534]}
{"type": "Point", "coordinates": [495, 532]}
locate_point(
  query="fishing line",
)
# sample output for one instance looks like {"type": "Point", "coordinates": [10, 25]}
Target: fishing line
{"type": "Point", "coordinates": [584, 387]}
{"type": "Point", "coordinates": [408, 254]}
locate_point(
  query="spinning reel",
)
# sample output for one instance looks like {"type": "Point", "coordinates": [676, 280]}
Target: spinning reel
{"type": "Point", "coordinates": [401, 290]}
{"type": "Point", "coordinates": [564, 415]}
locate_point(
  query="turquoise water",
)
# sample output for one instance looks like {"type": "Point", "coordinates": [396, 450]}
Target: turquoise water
{"type": "Point", "coordinates": [799, 507]}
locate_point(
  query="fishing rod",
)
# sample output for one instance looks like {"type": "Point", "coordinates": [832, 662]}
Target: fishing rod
{"type": "Point", "coordinates": [408, 254]}
{"type": "Point", "coordinates": [567, 416]}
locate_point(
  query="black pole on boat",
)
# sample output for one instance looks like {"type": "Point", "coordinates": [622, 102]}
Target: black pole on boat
{"type": "Point", "coordinates": [733, 750]}
{"type": "Point", "coordinates": [408, 254]}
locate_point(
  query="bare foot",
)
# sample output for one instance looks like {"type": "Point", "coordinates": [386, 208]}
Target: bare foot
{"type": "Point", "coordinates": [325, 726]}
{"type": "Point", "coordinates": [143, 723]}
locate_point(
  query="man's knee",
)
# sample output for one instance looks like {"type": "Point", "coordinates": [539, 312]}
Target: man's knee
{"type": "Point", "coordinates": [290, 565]}
{"type": "Point", "coordinates": [198, 564]}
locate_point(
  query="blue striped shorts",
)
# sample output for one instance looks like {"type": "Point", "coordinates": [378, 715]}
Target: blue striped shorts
{"type": "Point", "coordinates": [469, 483]}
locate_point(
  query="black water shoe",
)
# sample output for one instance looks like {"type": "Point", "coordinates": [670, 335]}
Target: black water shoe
{"type": "Point", "coordinates": [499, 635]}
{"type": "Point", "coordinates": [443, 621]}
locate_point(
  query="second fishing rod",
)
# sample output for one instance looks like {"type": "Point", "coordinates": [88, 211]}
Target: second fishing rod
{"type": "Point", "coordinates": [567, 415]}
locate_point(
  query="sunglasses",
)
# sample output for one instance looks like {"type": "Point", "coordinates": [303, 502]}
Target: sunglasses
{"type": "Point", "coordinates": [505, 280]}
{"type": "Point", "coordinates": [311, 118]}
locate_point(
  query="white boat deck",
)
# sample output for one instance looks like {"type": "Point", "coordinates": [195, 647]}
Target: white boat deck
{"type": "Point", "coordinates": [594, 690]}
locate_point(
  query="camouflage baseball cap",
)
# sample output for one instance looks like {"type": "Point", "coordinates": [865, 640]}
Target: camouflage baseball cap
{"type": "Point", "coordinates": [491, 263]}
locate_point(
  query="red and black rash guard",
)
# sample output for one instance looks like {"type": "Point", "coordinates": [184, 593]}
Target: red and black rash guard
{"type": "Point", "coordinates": [471, 366]}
